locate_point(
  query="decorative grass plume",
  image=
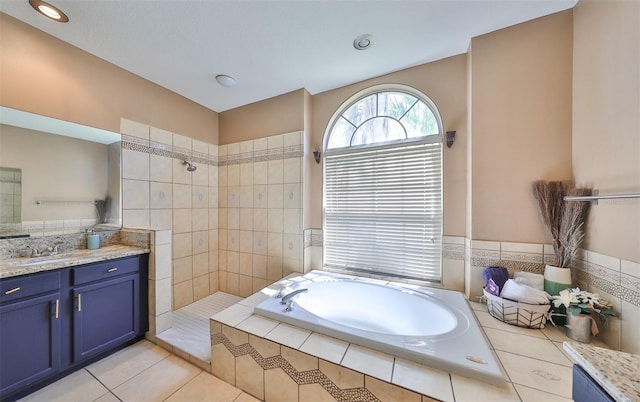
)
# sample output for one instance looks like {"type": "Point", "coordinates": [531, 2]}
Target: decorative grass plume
{"type": "Point", "coordinates": [102, 208]}
{"type": "Point", "coordinates": [564, 219]}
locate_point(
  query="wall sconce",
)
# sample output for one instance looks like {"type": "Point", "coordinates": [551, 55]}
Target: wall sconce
{"type": "Point", "coordinates": [316, 156]}
{"type": "Point", "coordinates": [451, 135]}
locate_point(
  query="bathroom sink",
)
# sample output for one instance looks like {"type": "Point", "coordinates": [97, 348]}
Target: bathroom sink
{"type": "Point", "coordinates": [27, 263]}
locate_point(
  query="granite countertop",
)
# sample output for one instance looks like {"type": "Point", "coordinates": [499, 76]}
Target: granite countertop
{"type": "Point", "coordinates": [23, 266]}
{"type": "Point", "coordinates": [617, 372]}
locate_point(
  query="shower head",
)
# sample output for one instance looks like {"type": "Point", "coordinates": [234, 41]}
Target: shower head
{"type": "Point", "coordinates": [190, 167]}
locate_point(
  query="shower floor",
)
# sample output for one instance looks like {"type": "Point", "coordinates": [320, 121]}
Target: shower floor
{"type": "Point", "coordinates": [190, 325]}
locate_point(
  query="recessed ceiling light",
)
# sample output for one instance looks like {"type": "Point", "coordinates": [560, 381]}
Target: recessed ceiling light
{"type": "Point", "coordinates": [363, 42]}
{"type": "Point", "coordinates": [49, 11]}
{"type": "Point", "coordinates": [225, 80]}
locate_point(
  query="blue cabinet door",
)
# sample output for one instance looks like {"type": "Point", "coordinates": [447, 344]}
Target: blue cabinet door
{"type": "Point", "coordinates": [106, 314]}
{"type": "Point", "coordinates": [29, 341]}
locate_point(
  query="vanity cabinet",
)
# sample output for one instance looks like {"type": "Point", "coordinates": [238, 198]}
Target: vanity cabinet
{"type": "Point", "coordinates": [30, 336]}
{"type": "Point", "coordinates": [106, 306]}
{"type": "Point", "coordinates": [586, 389]}
{"type": "Point", "coordinates": [59, 321]}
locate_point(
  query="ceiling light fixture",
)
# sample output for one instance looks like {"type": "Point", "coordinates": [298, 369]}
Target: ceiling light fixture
{"type": "Point", "coordinates": [49, 11]}
{"type": "Point", "coordinates": [363, 42]}
{"type": "Point", "coordinates": [225, 80]}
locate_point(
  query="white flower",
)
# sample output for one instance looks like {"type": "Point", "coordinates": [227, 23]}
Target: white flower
{"type": "Point", "coordinates": [566, 297]}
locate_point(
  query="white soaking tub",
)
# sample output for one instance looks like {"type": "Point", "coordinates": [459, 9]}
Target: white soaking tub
{"type": "Point", "coordinates": [430, 326]}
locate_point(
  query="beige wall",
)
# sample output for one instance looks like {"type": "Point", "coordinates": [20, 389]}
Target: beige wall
{"type": "Point", "coordinates": [281, 114]}
{"type": "Point", "coordinates": [521, 124]}
{"type": "Point", "coordinates": [43, 75]}
{"type": "Point", "coordinates": [444, 82]}
{"type": "Point", "coordinates": [53, 167]}
{"type": "Point", "coordinates": [606, 120]}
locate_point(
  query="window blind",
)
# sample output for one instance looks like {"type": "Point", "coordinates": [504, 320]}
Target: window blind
{"type": "Point", "coordinates": [383, 210]}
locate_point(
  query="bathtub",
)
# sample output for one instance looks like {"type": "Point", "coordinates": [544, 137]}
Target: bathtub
{"type": "Point", "coordinates": [430, 326]}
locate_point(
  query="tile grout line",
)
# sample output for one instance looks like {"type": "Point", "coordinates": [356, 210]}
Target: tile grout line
{"type": "Point", "coordinates": [110, 391]}
{"type": "Point", "coordinates": [453, 390]}
{"type": "Point", "coordinates": [184, 385]}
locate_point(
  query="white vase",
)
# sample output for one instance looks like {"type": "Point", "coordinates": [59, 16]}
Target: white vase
{"type": "Point", "coordinates": [556, 279]}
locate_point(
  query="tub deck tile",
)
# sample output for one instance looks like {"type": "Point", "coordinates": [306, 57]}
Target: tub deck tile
{"type": "Point", "coordinates": [288, 335]}
{"type": "Point", "coordinates": [330, 349]}
{"type": "Point", "coordinates": [370, 362]}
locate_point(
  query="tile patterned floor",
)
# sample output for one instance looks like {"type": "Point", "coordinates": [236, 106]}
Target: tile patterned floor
{"type": "Point", "coordinates": [141, 372]}
{"type": "Point", "coordinates": [535, 366]}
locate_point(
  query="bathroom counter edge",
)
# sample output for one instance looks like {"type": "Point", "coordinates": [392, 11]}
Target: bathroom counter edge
{"type": "Point", "coordinates": [613, 370]}
{"type": "Point", "coordinates": [15, 266]}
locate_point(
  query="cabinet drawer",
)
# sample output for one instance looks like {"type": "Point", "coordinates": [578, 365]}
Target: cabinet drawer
{"type": "Point", "coordinates": [105, 270]}
{"type": "Point", "coordinates": [29, 285]}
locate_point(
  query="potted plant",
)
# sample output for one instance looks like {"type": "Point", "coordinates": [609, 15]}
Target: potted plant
{"type": "Point", "coordinates": [565, 221]}
{"type": "Point", "coordinates": [584, 310]}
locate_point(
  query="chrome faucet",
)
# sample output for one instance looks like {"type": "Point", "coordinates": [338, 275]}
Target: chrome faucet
{"type": "Point", "coordinates": [51, 251]}
{"type": "Point", "coordinates": [34, 251]}
{"type": "Point", "coordinates": [288, 296]}
{"type": "Point", "coordinates": [31, 251]}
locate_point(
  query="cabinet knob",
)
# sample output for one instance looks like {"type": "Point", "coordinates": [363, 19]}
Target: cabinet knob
{"type": "Point", "coordinates": [8, 292]}
{"type": "Point", "coordinates": [112, 270]}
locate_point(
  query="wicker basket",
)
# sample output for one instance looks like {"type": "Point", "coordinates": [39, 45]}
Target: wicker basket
{"type": "Point", "coordinates": [514, 313]}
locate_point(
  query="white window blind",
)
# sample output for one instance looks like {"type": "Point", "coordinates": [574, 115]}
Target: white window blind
{"type": "Point", "coordinates": [383, 209]}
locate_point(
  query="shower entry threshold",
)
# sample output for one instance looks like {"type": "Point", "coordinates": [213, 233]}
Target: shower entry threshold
{"type": "Point", "coordinates": [190, 325]}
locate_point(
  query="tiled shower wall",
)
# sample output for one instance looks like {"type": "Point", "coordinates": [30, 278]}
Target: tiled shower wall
{"type": "Point", "coordinates": [159, 193]}
{"type": "Point", "coordinates": [260, 212]}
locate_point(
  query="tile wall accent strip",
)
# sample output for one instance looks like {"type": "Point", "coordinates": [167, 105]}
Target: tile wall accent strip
{"type": "Point", "coordinates": [156, 148]}
{"type": "Point", "coordinates": [301, 378]}
{"type": "Point", "coordinates": [293, 151]}
{"type": "Point", "coordinates": [521, 257]}
{"type": "Point", "coordinates": [453, 251]}
{"type": "Point", "coordinates": [484, 254]}
{"type": "Point", "coordinates": [510, 265]}
{"type": "Point", "coordinates": [628, 288]}
{"type": "Point", "coordinates": [134, 140]}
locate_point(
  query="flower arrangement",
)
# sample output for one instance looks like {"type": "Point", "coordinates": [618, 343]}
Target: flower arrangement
{"type": "Point", "coordinates": [579, 301]}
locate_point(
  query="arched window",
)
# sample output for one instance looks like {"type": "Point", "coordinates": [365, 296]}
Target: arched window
{"type": "Point", "coordinates": [383, 186]}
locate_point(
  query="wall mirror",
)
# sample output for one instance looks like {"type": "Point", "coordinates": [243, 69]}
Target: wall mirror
{"type": "Point", "coordinates": [57, 177]}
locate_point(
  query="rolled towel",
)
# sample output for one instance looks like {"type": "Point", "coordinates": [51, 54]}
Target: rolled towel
{"type": "Point", "coordinates": [499, 275]}
{"type": "Point", "coordinates": [513, 290]}
{"type": "Point", "coordinates": [534, 280]}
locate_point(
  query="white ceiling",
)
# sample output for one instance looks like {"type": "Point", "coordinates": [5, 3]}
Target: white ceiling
{"type": "Point", "coordinates": [273, 47]}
